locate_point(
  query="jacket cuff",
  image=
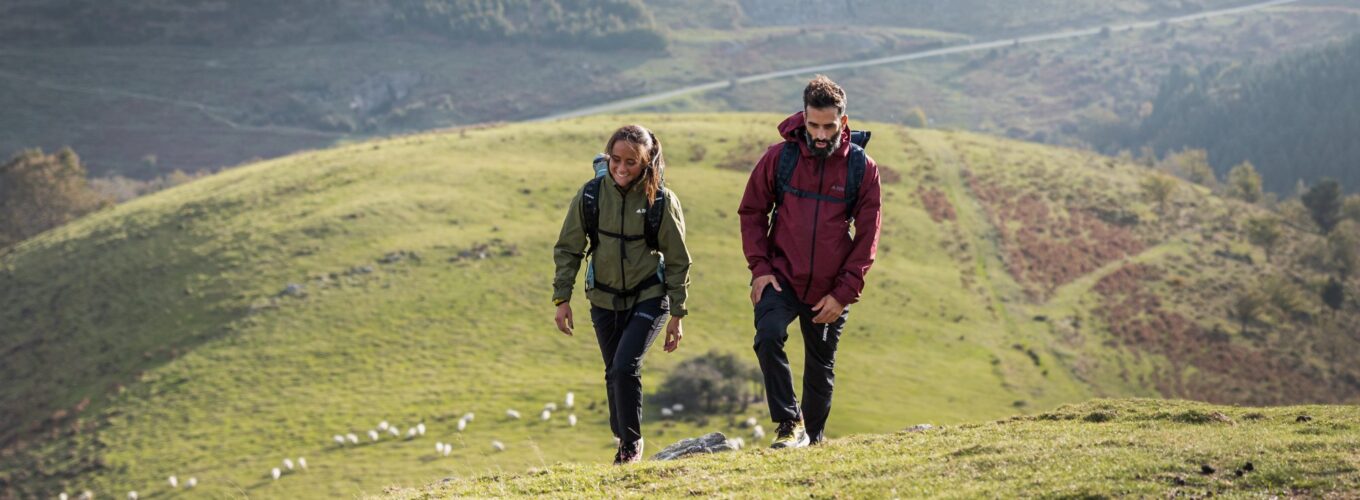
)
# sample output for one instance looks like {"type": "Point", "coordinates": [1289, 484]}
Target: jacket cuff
{"type": "Point", "coordinates": [844, 294]}
{"type": "Point", "coordinates": [761, 269]}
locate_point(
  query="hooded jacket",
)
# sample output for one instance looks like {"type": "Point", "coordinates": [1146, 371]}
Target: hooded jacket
{"type": "Point", "coordinates": [811, 248]}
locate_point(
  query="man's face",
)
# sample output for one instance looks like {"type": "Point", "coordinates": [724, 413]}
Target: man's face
{"type": "Point", "coordinates": [823, 128]}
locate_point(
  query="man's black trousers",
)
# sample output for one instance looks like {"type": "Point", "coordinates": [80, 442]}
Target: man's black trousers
{"type": "Point", "coordinates": [774, 312]}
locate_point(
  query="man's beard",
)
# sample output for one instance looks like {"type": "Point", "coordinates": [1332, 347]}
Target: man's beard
{"type": "Point", "coordinates": [831, 146]}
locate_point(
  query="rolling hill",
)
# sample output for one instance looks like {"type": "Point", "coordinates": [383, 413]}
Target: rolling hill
{"type": "Point", "coordinates": [216, 328]}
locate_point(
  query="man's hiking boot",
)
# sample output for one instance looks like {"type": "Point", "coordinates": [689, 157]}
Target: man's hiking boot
{"type": "Point", "coordinates": [629, 453]}
{"type": "Point", "coordinates": [790, 434]}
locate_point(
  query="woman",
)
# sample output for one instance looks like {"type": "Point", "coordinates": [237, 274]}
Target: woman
{"type": "Point", "coordinates": [629, 298]}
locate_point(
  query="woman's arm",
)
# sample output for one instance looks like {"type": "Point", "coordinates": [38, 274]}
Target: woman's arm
{"type": "Point", "coordinates": [671, 239]}
{"type": "Point", "coordinates": [568, 252]}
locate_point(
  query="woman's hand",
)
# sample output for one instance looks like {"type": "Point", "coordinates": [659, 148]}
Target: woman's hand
{"type": "Point", "coordinates": [564, 321]}
{"type": "Point", "coordinates": [673, 334]}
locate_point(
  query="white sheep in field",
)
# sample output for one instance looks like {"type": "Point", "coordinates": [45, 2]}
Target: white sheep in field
{"type": "Point", "coordinates": [302, 462]}
{"type": "Point", "coordinates": [87, 495]}
{"type": "Point", "coordinates": [340, 440]}
{"type": "Point", "coordinates": [132, 495]}
{"type": "Point", "coordinates": [448, 448]}
{"type": "Point", "coordinates": [666, 412]}
{"type": "Point", "coordinates": [550, 407]}
{"type": "Point", "coordinates": [571, 420]}
{"type": "Point", "coordinates": [174, 482]}
{"type": "Point", "coordinates": [63, 496]}
{"type": "Point", "coordinates": [545, 416]}
{"type": "Point", "coordinates": [394, 431]}
{"type": "Point", "coordinates": [439, 447]}
{"type": "Point", "coordinates": [352, 438]}
{"type": "Point", "coordinates": [758, 432]}
{"type": "Point", "coordinates": [192, 482]}
{"type": "Point", "coordinates": [677, 407]}
{"type": "Point", "coordinates": [498, 446]}
{"type": "Point", "coordinates": [288, 462]}
{"type": "Point", "coordinates": [420, 428]}
{"type": "Point", "coordinates": [514, 415]}
{"type": "Point", "coordinates": [468, 416]}
{"type": "Point", "coordinates": [276, 473]}
{"type": "Point", "coordinates": [411, 433]}
{"type": "Point", "coordinates": [382, 426]}
{"type": "Point", "coordinates": [571, 400]}
{"type": "Point", "coordinates": [372, 435]}
{"type": "Point", "coordinates": [750, 422]}
{"type": "Point", "coordinates": [462, 424]}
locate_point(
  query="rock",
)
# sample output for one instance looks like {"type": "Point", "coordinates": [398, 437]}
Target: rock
{"type": "Point", "coordinates": [293, 290]}
{"type": "Point", "coordinates": [714, 442]}
{"type": "Point", "coordinates": [919, 428]}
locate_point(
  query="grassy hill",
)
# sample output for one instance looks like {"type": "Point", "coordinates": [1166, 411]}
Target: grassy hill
{"type": "Point", "coordinates": [1101, 449]}
{"type": "Point", "coordinates": [213, 329]}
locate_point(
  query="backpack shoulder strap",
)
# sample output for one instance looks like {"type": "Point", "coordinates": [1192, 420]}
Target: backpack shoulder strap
{"type": "Point", "coordinates": [655, 213]}
{"type": "Point", "coordinates": [854, 177]}
{"type": "Point", "coordinates": [590, 212]}
{"type": "Point", "coordinates": [788, 161]}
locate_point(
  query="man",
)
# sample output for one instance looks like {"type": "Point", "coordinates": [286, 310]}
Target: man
{"type": "Point", "coordinates": [795, 230]}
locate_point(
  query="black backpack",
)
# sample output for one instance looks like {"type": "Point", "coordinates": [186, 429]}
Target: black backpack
{"type": "Point", "coordinates": [788, 161]}
{"type": "Point", "coordinates": [590, 222]}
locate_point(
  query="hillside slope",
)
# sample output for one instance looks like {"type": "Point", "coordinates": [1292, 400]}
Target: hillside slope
{"type": "Point", "coordinates": [213, 329]}
{"type": "Point", "coordinates": [1101, 449]}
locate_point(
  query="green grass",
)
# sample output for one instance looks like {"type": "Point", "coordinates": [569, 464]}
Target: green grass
{"type": "Point", "coordinates": [167, 314]}
{"type": "Point", "coordinates": [1099, 449]}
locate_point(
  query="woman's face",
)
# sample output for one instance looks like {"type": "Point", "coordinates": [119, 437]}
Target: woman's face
{"type": "Point", "coordinates": [625, 163]}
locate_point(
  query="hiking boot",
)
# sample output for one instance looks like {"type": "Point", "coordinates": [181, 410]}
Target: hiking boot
{"type": "Point", "coordinates": [790, 434]}
{"type": "Point", "coordinates": [629, 453]}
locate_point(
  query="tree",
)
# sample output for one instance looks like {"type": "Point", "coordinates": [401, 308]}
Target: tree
{"type": "Point", "coordinates": [1193, 165]}
{"type": "Point", "coordinates": [916, 118]}
{"type": "Point", "coordinates": [1333, 294]}
{"type": "Point", "coordinates": [1351, 208]}
{"type": "Point", "coordinates": [714, 382]}
{"type": "Point", "coordinates": [1324, 204]}
{"type": "Point", "coordinates": [1264, 232]}
{"type": "Point", "coordinates": [1158, 189]}
{"type": "Point", "coordinates": [41, 191]}
{"type": "Point", "coordinates": [1344, 243]}
{"type": "Point", "coordinates": [1247, 308]}
{"type": "Point", "coordinates": [1244, 183]}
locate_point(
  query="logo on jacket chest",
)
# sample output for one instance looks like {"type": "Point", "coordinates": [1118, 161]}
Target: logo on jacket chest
{"type": "Point", "coordinates": [838, 188]}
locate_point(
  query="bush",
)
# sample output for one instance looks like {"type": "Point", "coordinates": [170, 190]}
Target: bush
{"type": "Point", "coordinates": [712, 383]}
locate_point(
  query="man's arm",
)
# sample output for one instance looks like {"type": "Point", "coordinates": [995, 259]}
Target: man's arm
{"type": "Point", "coordinates": [868, 220]}
{"type": "Point", "coordinates": [754, 213]}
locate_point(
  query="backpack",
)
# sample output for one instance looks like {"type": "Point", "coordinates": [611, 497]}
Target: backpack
{"type": "Point", "coordinates": [590, 222]}
{"type": "Point", "coordinates": [788, 161]}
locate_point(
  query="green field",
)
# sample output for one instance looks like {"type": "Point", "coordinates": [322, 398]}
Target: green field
{"type": "Point", "coordinates": [170, 313]}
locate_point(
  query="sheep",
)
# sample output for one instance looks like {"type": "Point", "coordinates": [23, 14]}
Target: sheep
{"type": "Point", "coordinates": [276, 473]}
{"type": "Point", "coordinates": [421, 428]}
{"type": "Point", "coordinates": [302, 462]}
{"type": "Point", "coordinates": [468, 416]}
{"type": "Point", "coordinates": [439, 447]}
{"type": "Point", "coordinates": [666, 412]}
{"type": "Point", "coordinates": [498, 446]}
{"type": "Point", "coordinates": [550, 407]}
{"type": "Point", "coordinates": [192, 482]}
{"type": "Point", "coordinates": [571, 400]}
{"type": "Point", "coordinates": [448, 448]}
{"type": "Point", "coordinates": [411, 433]}
{"type": "Point", "coordinates": [288, 462]}
{"type": "Point", "coordinates": [63, 496]}
{"type": "Point", "coordinates": [737, 443]}
{"type": "Point", "coordinates": [462, 424]}
{"type": "Point", "coordinates": [677, 407]}
{"type": "Point", "coordinates": [132, 495]}
{"type": "Point", "coordinates": [382, 426]}
{"type": "Point", "coordinates": [514, 415]}
{"type": "Point", "coordinates": [394, 431]}
{"type": "Point", "coordinates": [571, 420]}
{"type": "Point", "coordinates": [545, 416]}
{"type": "Point", "coordinates": [87, 495]}
{"type": "Point", "coordinates": [758, 432]}
{"type": "Point", "coordinates": [750, 422]}
{"type": "Point", "coordinates": [340, 440]}
{"type": "Point", "coordinates": [174, 482]}
{"type": "Point", "coordinates": [372, 434]}
{"type": "Point", "coordinates": [352, 438]}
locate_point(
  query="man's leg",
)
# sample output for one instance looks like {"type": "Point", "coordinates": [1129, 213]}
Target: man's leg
{"type": "Point", "coordinates": [819, 374]}
{"type": "Point", "coordinates": [773, 315]}
{"type": "Point", "coordinates": [648, 318]}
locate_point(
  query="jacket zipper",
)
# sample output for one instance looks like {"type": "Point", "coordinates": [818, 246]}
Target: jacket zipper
{"type": "Point", "coordinates": [816, 221]}
{"type": "Point", "coordinates": [623, 250]}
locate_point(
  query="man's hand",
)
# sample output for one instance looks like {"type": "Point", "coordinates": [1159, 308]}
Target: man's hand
{"type": "Point", "coordinates": [673, 334]}
{"type": "Point", "coordinates": [828, 310]}
{"type": "Point", "coordinates": [564, 321]}
{"type": "Point", "coordinates": [758, 287]}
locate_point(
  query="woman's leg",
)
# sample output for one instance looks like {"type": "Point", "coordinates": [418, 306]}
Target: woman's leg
{"type": "Point", "coordinates": [647, 320]}
{"type": "Point", "coordinates": [608, 332]}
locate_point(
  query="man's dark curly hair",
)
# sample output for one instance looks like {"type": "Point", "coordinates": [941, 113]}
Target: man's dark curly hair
{"type": "Point", "coordinates": [822, 93]}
